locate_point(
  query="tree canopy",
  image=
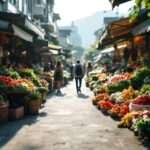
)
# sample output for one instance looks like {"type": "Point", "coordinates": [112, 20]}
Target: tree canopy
{"type": "Point", "coordinates": [139, 5]}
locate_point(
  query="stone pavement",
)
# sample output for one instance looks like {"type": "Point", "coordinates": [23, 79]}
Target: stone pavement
{"type": "Point", "coordinates": [68, 122]}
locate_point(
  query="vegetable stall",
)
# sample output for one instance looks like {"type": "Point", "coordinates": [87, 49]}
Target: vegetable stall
{"type": "Point", "coordinates": [124, 96]}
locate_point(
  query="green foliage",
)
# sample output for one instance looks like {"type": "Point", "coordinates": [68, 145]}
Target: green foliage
{"type": "Point", "coordinates": [145, 87]}
{"type": "Point", "coordinates": [143, 126]}
{"type": "Point", "coordinates": [3, 100]}
{"type": "Point", "coordinates": [136, 83]}
{"type": "Point", "coordinates": [34, 95]}
{"type": "Point", "coordinates": [27, 73]}
{"type": "Point", "coordinates": [118, 86]}
{"type": "Point", "coordinates": [146, 62]}
{"type": "Point", "coordinates": [88, 54]}
{"type": "Point", "coordinates": [36, 82]}
{"type": "Point", "coordinates": [139, 4]}
{"type": "Point", "coordinates": [20, 88]}
{"type": "Point", "coordinates": [80, 51]}
{"type": "Point", "coordinates": [94, 78]}
{"type": "Point", "coordinates": [142, 73]}
{"type": "Point", "coordinates": [43, 90]}
{"type": "Point", "coordinates": [6, 72]}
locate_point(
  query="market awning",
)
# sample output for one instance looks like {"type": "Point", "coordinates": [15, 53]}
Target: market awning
{"type": "Point", "coordinates": [22, 34]}
{"type": "Point", "coordinates": [54, 52]}
{"type": "Point", "coordinates": [111, 49]}
{"type": "Point", "coordinates": [116, 31]}
{"type": "Point", "coordinates": [54, 47]}
{"type": "Point", "coordinates": [108, 50]}
{"type": "Point", "coordinates": [22, 22]}
{"type": "Point", "coordinates": [142, 28]}
{"type": "Point", "coordinates": [112, 41]}
{"type": "Point", "coordinates": [31, 26]}
{"type": "Point", "coordinates": [117, 2]}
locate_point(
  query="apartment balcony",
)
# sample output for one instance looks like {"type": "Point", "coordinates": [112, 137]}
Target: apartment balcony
{"type": "Point", "coordinates": [47, 26]}
{"type": "Point", "coordinates": [39, 12]}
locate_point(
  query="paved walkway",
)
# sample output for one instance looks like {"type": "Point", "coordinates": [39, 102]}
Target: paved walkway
{"type": "Point", "coordinates": [68, 122]}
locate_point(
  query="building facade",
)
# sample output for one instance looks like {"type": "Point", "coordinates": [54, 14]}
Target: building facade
{"type": "Point", "coordinates": [40, 12]}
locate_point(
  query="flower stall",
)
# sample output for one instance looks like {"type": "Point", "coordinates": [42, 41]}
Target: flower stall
{"type": "Point", "coordinates": [125, 96]}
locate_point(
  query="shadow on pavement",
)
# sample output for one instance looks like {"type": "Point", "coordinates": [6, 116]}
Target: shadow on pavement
{"type": "Point", "coordinates": [146, 144]}
{"type": "Point", "coordinates": [83, 96]}
{"type": "Point", "coordinates": [10, 129]}
{"type": "Point", "coordinates": [42, 114]}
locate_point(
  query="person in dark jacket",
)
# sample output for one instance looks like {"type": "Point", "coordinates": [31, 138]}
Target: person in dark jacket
{"type": "Point", "coordinates": [78, 76]}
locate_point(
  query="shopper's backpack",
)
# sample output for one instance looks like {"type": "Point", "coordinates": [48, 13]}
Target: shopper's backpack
{"type": "Point", "coordinates": [78, 70]}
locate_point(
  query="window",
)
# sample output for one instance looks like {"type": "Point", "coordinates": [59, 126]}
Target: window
{"type": "Point", "coordinates": [38, 2]}
{"type": "Point", "coordinates": [14, 2]}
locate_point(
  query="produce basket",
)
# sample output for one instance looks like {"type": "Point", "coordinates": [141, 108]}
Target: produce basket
{"type": "Point", "coordinates": [136, 107]}
{"type": "Point", "coordinates": [33, 107]}
{"type": "Point", "coordinates": [104, 110]}
{"type": "Point", "coordinates": [16, 113]}
{"type": "Point", "coordinates": [113, 115]}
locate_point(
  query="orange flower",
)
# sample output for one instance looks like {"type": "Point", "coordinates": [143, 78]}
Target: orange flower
{"type": "Point", "coordinates": [103, 89]}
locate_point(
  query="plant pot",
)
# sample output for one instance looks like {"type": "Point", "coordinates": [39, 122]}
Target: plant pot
{"type": "Point", "coordinates": [16, 113]}
{"type": "Point", "coordinates": [104, 110]}
{"type": "Point", "coordinates": [94, 103]}
{"type": "Point", "coordinates": [113, 115]}
{"type": "Point", "coordinates": [33, 107]}
{"type": "Point", "coordinates": [3, 113]}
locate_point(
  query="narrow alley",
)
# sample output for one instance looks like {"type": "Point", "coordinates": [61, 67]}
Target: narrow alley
{"type": "Point", "coordinates": [68, 122]}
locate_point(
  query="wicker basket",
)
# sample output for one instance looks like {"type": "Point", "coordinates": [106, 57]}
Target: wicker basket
{"type": "Point", "coordinates": [3, 113]}
{"type": "Point", "coordinates": [34, 107]}
{"type": "Point", "coordinates": [16, 113]}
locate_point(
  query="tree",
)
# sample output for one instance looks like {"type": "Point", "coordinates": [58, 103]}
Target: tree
{"type": "Point", "coordinates": [139, 5]}
{"type": "Point", "coordinates": [79, 51]}
{"type": "Point", "coordinates": [90, 53]}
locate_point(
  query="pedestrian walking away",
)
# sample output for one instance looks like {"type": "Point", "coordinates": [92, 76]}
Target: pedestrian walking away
{"type": "Point", "coordinates": [89, 68]}
{"type": "Point", "coordinates": [58, 76]}
{"type": "Point", "coordinates": [78, 76]}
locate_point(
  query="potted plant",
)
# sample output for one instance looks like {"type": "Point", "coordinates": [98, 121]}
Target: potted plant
{"type": "Point", "coordinates": [34, 102]}
{"type": "Point", "coordinates": [43, 91]}
{"type": "Point", "coordinates": [3, 109]}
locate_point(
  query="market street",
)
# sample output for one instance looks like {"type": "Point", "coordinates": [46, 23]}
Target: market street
{"type": "Point", "coordinates": [68, 122]}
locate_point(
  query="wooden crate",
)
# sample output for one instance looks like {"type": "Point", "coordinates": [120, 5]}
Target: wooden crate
{"type": "Point", "coordinates": [3, 114]}
{"type": "Point", "coordinates": [16, 113]}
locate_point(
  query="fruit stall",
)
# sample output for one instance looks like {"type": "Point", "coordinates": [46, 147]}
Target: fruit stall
{"type": "Point", "coordinates": [17, 91]}
{"type": "Point", "coordinates": [124, 96]}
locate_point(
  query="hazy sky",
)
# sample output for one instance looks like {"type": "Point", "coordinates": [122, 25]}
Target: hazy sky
{"type": "Point", "coordinates": [71, 10]}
